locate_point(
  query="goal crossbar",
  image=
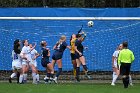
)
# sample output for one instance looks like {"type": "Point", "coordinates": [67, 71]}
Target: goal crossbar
{"type": "Point", "coordinates": [69, 18]}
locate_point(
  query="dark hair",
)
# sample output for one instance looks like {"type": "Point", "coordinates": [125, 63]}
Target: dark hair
{"type": "Point", "coordinates": [125, 44]}
{"type": "Point", "coordinates": [42, 43]}
{"type": "Point", "coordinates": [70, 39]}
{"type": "Point", "coordinates": [78, 35]}
{"type": "Point", "coordinates": [16, 46]}
{"type": "Point", "coordinates": [23, 42]}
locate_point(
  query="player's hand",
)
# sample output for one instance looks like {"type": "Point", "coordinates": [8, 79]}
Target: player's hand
{"type": "Point", "coordinates": [80, 53]}
{"type": "Point", "coordinates": [113, 66]}
{"type": "Point", "coordinates": [34, 58]}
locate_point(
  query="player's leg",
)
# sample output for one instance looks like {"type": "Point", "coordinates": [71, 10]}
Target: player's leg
{"type": "Point", "coordinates": [25, 68]}
{"type": "Point", "coordinates": [130, 80]}
{"type": "Point", "coordinates": [37, 73]}
{"type": "Point", "coordinates": [73, 59]}
{"type": "Point", "coordinates": [115, 75]}
{"type": "Point", "coordinates": [51, 71]}
{"type": "Point", "coordinates": [47, 77]}
{"type": "Point", "coordinates": [59, 63]}
{"type": "Point", "coordinates": [78, 69]}
{"type": "Point", "coordinates": [125, 74]}
{"type": "Point", "coordinates": [83, 61]}
{"type": "Point", "coordinates": [14, 63]}
{"type": "Point", "coordinates": [12, 75]}
{"type": "Point", "coordinates": [34, 71]}
{"type": "Point", "coordinates": [128, 65]}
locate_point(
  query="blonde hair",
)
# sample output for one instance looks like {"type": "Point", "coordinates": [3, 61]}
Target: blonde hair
{"type": "Point", "coordinates": [62, 39]}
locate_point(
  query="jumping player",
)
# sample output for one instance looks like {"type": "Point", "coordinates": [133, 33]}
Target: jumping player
{"type": "Point", "coordinates": [46, 63]}
{"type": "Point", "coordinates": [80, 59]}
{"type": "Point", "coordinates": [59, 48]}
{"type": "Point", "coordinates": [72, 51]}
{"type": "Point", "coordinates": [16, 63]}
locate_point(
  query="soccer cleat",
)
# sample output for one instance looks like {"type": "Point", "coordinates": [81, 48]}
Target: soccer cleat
{"type": "Point", "coordinates": [131, 84]}
{"type": "Point", "coordinates": [87, 76]}
{"type": "Point", "coordinates": [55, 80]}
{"type": "Point", "coordinates": [112, 84]}
{"type": "Point", "coordinates": [77, 79]}
{"type": "Point", "coordinates": [10, 80]}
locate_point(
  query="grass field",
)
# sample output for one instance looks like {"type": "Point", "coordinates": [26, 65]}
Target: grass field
{"type": "Point", "coordinates": [67, 88]}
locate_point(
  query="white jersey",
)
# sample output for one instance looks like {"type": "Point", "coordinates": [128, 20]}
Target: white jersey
{"type": "Point", "coordinates": [15, 57]}
{"type": "Point", "coordinates": [33, 53]}
{"type": "Point", "coordinates": [116, 54]}
{"type": "Point", "coordinates": [27, 52]}
{"type": "Point", "coordinates": [16, 63]}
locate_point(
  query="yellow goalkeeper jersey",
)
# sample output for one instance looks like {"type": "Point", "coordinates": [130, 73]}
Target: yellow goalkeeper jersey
{"type": "Point", "coordinates": [73, 45]}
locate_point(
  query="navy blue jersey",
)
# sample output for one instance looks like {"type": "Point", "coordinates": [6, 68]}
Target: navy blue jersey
{"type": "Point", "coordinates": [45, 54]}
{"type": "Point", "coordinates": [61, 47]}
{"type": "Point", "coordinates": [79, 45]}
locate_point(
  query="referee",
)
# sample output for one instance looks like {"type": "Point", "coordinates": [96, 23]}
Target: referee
{"type": "Point", "coordinates": [126, 57]}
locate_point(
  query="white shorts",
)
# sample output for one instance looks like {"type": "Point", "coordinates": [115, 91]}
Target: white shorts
{"type": "Point", "coordinates": [25, 63]}
{"type": "Point", "coordinates": [16, 64]}
{"type": "Point", "coordinates": [33, 63]}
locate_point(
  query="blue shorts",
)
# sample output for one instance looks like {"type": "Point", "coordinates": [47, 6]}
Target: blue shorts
{"type": "Point", "coordinates": [44, 62]}
{"type": "Point", "coordinates": [73, 56]}
{"type": "Point", "coordinates": [78, 56]}
{"type": "Point", "coordinates": [57, 55]}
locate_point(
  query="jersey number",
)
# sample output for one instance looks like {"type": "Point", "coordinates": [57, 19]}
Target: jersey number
{"type": "Point", "coordinates": [15, 56]}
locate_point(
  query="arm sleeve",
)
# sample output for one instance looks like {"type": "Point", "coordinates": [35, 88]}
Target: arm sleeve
{"type": "Point", "coordinates": [114, 54]}
{"type": "Point", "coordinates": [80, 29]}
{"type": "Point", "coordinates": [36, 52]}
{"type": "Point", "coordinates": [76, 43]}
{"type": "Point", "coordinates": [65, 44]}
{"type": "Point", "coordinates": [23, 50]}
{"type": "Point", "coordinates": [119, 58]}
{"type": "Point", "coordinates": [13, 54]}
{"type": "Point", "coordinates": [133, 57]}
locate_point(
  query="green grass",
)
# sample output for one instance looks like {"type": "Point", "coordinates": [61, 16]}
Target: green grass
{"type": "Point", "coordinates": [67, 88]}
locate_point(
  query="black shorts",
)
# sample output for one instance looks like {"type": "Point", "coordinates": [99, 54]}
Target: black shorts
{"type": "Point", "coordinates": [125, 68]}
{"type": "Point", "coordinates": [78, 56]}
{"type": "Point", "coordinates": [73, 56]}
{"type": "Point", "coordinates": [57, 55]}
{"type": "Point", "coordinates": [44, 62]}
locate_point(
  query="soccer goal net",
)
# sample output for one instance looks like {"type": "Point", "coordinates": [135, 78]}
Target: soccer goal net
{"type": "Point", "coordinates": [101, 41]}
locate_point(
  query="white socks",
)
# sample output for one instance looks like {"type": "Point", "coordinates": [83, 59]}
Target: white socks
{"type": "Point", "coordinates": [13, 75]}
{"type": "Point", "coordinates": [37, 77]}
{"type": "Point", "coordinates": [115, 76]}
{"type": "Point", "coordinates": [20, 78]}
{"type": "Point", "coordinates": [130, 80]}
{"type": "Point", "coordinates": [25, 77]}
{"type": "Point", "coordinates": [34, 77]}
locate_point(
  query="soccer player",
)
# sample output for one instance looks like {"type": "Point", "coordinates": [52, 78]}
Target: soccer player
{"type": "Point", "coordinates": [27, 61]}
{"type": "Point", "coordinates": [72, 51]}
{"type": "Point", "coordinates": [46, 63]}
{"type": "Point", "coordinates": [16, 63]}
{"type": "Point", "coordinates": [116, 71]}
{"type": "Point", "coordinates": [126, 57]}
{"type": "Point", "coordinates": [34, 55]}
{"type": "Point", "coordinates": [79, 55]}
{"type": "Point", "coordinates": [59, 48]}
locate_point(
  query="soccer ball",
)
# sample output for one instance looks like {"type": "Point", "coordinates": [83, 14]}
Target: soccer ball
{"type": "Point", "coordinates": [90, 23]}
